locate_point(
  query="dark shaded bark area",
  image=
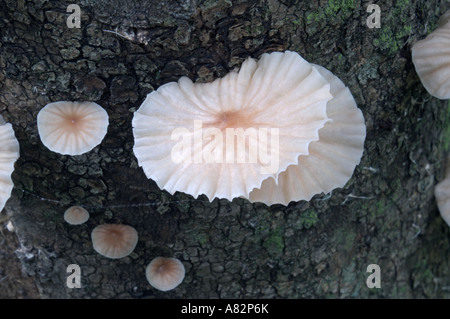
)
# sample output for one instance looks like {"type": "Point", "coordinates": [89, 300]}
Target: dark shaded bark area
{"type": "Point", "coordinates": [385, 215]}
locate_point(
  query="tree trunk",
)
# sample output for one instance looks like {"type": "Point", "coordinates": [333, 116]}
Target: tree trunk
{"type": "Point", "coordinates": [385, 215]}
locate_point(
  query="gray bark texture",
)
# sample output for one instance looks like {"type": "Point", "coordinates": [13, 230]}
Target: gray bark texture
{"type": "Point", "coordinates": [386, 214]}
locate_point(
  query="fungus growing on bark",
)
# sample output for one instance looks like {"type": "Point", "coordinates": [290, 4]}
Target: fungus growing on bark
{"type": "Point", "coordinates": [72, 128]}
{"type": "Point", "coordinates": [9, 153]}
{"type": "Point", "coordinates": [442, 194]}
{"type": "Point", "coordinates": [76, 215]}
{"type": "Point", "coordinates": [114, 240]}
{"type": "Point", "coordinates": [230, 137]}
{"type": "Point", "coordinates": [431, 58]}
{"type": "Point", "coordinates": [223, 138]}
{"type": "Point", "coordinates": [165, 273]}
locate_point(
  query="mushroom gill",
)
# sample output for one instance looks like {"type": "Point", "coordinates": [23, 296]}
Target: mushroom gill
{"type": "Point", "coordinates": [331, 159]}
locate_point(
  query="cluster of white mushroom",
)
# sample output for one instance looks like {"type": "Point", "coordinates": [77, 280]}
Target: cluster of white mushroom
{"type": "Point", "coordinates": [319, 140]}
{"type": "Point", "coordinates": [183, 140]}
{"type": "Point", "coordinates": [317, 132]}
{"type": "Point", "coordinates": [74, 128]}
{"type": "Point", "coordinates": [118, 241]}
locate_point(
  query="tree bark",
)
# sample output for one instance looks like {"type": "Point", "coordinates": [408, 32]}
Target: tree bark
{"type": "Point", "coordinates": [385, 215]}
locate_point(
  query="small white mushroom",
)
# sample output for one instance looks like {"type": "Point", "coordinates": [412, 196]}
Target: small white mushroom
{"type": "Point", "coordinates": [72, 128]}
{"type": "Point", "coordinates": [165, 273]}
{"type": "Point", "coordinates": [76, 215]}
{"type": "Point", "coordinates": [114, 240]}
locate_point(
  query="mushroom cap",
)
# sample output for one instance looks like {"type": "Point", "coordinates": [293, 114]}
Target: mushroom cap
{"type": "Point", "coordinates": [431, 58]}
{"type": "Point", "coordinates": [442, 194]}
{"type": "Point", "coordinates": [331, 160]}
{"type": "Point", "coordinates": [280, 94]}
{"type": "Point", "coordinates": [72, 128]}
{"type": "Point", "coordinates": [114, 240]}
{"type": "Point", "coordinates": [165, 273]}
{"type": "Point", "coordinates": [9, 153]}
{"type": "Point", "coordinates": [76, 215]}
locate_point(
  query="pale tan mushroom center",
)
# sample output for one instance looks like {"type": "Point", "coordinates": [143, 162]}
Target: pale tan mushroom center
{"type": "Point", "coordinates": [161, 268]}
{"type": "Point", "coordinates": [115, 236]}
{"type": "Point", "coordinates": [231, 119]}
{"type": "Point", "coordinates": [74, 122]}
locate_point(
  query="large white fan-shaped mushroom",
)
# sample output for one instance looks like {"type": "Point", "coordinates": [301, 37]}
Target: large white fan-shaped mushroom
{"type": "Point", "coordinates": [9, 153]}
{"type": "Point", "coordinates": [276, 105]}
{"type": "Point", "coordinates": [331, 160]}
{"type": "Point", "coordinates": [72, 128]}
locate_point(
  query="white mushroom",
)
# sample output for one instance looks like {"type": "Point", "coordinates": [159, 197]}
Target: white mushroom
{"type": "Point", "coordinates": [223, 138]}
{"type": "Point", "coordinates": [114, 240]}
{"type": "Point", "coordinates": [165, 273]}
{"type": "Point", "coordinates": [76, 215]}
{"type": "Point", "coordinates": [72, 128]}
